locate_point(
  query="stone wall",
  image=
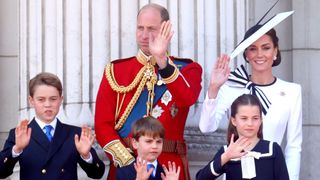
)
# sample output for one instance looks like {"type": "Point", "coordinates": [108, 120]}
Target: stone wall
{"type": "Point", "coordinates": [35, 36]}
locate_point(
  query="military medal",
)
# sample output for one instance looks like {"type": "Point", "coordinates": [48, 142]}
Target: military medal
{"type": "Point", "coordinates": [166, 98]}
{"type": "Point", "coordinates": [156, 111]}
{"type": "Point", "coordinates": [173, 110]}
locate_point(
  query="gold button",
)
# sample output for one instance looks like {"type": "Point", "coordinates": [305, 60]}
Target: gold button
{"type": "Point", "coordinates": [5, 160]}
{"type": "Point", "coordinates": [62, 170]}
{"type": "Point", "coordinates": [44, 171]}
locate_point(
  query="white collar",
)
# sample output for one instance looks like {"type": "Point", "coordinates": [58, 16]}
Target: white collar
{"type": "Point", "coordinates": [42, 124]}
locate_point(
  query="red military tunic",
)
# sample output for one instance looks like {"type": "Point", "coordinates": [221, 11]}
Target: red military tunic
{"type": "Point", "coordinates": [183, 88]}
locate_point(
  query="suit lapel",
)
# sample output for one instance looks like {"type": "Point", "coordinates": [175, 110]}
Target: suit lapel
{"type": "Point", "coordinates": [60, 135]}
{"type": "Point", "coordinates": [38, 135]}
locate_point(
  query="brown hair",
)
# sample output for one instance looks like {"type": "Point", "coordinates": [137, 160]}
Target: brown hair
{"type": "Point", "coordinates": [163, 11]}
{"type": "Point", "coordinates": [45, 78]}
{"type": "Point", "coordinates": [275, 40]}
{"type": "Point", "coordinates": [243, 100]}
{"type": "Point", "coordinates": [147, 126]}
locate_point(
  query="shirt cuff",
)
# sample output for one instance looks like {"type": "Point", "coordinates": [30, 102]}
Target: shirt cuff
{"type": "Point", "coordinates": [14, 154]}
{"type": "Point", "coordinates": [89, 160]}
{"type": "Point", "coordinates": [210, 101]}
{"type": "Point", "coordinates": [212, 169]}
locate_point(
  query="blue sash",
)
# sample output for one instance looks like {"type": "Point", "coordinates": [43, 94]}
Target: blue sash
{"type": "Point", "coordinates": [140, 108]}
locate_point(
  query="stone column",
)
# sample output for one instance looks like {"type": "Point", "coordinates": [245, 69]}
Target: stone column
{"type": "Point", "coordinates": [306, 53]}
{"type": "Point", "coordinates": [9, 67]}
{"type": "Point", "coordinates": [67, 38]}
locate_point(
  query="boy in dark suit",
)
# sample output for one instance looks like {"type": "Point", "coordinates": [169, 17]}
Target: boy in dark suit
{"type": "Point", "coordinates": [45, 147]}
{"type": "Point", "coordinates": [147, 140]}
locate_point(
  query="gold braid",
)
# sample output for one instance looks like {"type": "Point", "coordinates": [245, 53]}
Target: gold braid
{"type": "Point", "coordinates": [132, 102]}
{"type": "Point", "coordinates": [122, 89]}
{"type": "Point", "coordinates": [145, 74]}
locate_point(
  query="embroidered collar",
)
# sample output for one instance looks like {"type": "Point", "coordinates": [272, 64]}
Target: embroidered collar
{"type": "Point", "coordinates": [143, 58]}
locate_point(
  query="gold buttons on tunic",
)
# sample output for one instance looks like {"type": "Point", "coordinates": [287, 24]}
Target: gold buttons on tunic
{"type": "Point", "coordinates": [44, 171]}
{"type": "Point", "coordinates": [5, 160]}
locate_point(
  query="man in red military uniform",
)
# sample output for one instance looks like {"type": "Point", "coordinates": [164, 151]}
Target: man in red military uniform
{"type": "Point", "coordinates": [150, 83]}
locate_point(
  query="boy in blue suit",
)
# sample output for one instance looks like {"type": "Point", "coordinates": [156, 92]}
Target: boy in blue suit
{"type": "Point", "coordinates": [45, 147]}
{"type": "Point", "coordinates": [147, 140]}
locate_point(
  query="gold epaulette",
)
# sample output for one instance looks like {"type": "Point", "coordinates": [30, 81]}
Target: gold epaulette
{"type": "Point", "coordinates": [120, 154]}
{"type": "Point", "coordinates": [119, 88]}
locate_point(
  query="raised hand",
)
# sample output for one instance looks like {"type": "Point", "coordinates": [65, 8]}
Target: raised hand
{"type": "Point", "coordinates": [158, 45]}
{"type": "Point", "coordinates": [84, 143]}
{"type": "Point", "coordinates": [23, 134]}
{"type": "Point", "coordinates": [235, 149]}
{"type": "Point", "coordinates": [141, 168]}
{"type": "Point", "coordinates": [170, 173]}
{"type": "Point", "coordinates": [219, 75]}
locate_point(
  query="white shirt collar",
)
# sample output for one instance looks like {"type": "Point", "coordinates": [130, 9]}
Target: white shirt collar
{"type": "Point", "coordinates": [42, 124]}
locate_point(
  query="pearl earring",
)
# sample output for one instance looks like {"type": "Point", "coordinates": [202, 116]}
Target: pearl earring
{"type": "Point", "coordinates": [275, 58]}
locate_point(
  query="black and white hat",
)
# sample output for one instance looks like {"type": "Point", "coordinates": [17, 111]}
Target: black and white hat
{"type": "Point", "coordinates": [258, 30]}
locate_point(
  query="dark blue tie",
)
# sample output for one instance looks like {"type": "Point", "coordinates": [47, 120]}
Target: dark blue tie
{"type": "Point", "coordinates": [149, 166]}
{"type": "Point", "coordinates": [48, 129]}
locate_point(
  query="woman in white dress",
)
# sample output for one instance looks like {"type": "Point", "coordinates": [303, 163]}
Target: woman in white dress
{"type": "Point", "coordinates": [281, 100]}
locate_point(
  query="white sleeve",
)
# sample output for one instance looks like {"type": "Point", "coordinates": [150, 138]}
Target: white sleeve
{"type": "Point", "coordinates": [89, 160]}
{"type": "Point", "coordinates": [215, 110]}
{"type": "Point", "coordinates": [294, 137]}
{"type": "Point", "coordinates": [14, 154]}
{"type": "Point", "coordinates": [208, 106]}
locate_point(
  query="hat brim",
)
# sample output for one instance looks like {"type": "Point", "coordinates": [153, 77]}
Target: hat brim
{"type": "Point", "coordinates": [260, 32]}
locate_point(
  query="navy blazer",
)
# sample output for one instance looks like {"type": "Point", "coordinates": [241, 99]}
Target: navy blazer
{"type": "Point", "coordinates": [44, 160]}
{"type": "Point", "coordinates": [129, 173]}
